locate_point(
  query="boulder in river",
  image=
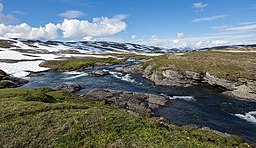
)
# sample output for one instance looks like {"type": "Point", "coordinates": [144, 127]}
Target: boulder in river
{"type": "Point", "coordinates": [69, 88]}
{"type": "Point", "coordinates": [98, 73]}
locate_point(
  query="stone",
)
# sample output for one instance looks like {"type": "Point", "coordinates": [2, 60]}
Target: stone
{"type": "Point", "coordinates": [7, 84]}
{"type": "Point", "coordinates": [243, 92]}
{"type": "Point", "coordinates": [10, 82]}
{"type": "Point", "coordinates": [133, 101]}
{"type": "Point", "coordinates": [134, 69]}
{"type": "Point", "coordinates": [193, 75]}
{"type": "Point", "coordinates": [98, 73]}
{"type": "Point", "coordinates": [214, 81]}
{"type": "Point", "coordinates": [69, 88]}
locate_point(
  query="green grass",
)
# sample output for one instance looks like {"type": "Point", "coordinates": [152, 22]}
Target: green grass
{"type": "Point", "coordinates": [75, 64]}
{"type": "Point", "coordinates": [67, 122]}
{"type": "Point", "coordinates": [230, 66]}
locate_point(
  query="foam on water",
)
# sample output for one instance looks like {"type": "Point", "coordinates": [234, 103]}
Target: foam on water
{"type": "Point", "coordinates": [250, 116]}
{"type": "Point", "coordinates": [73, 73]}
{"type": "Point", "coordinates": [126, 77]}
{"type": "Point", "coordinates": [186, 98]}
{"type": "Point", "coordinates": [78, 75]}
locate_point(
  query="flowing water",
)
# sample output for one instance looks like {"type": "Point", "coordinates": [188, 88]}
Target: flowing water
{"type": "Point", "coordinates": [202, 105]}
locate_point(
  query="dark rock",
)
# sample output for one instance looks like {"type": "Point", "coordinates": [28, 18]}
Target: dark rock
{"type": "Point", "coordinates": [2, 73]}
{"type": "Point", "coordinates": [10, 82]}
{"type": "Point", "coordinates": [7, 84]}
{"type": "Point", "coordinates": [136, 102]}
{"type": "Point", "coordinates": [35, 74]}
{"type": "Point", "coordinates": [69, 88]}
{"type": "Point", "coordinates": [98, 73]}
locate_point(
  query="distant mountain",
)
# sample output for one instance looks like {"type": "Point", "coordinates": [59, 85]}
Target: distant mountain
{"type": "Point", "coordinates": [96, 47]}
{"type": "Point", "coordinates": [233, 47]}
{"type": "Point", "coordinates": [102, 47]}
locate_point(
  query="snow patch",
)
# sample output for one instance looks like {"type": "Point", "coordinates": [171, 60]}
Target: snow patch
{"type": "Point", "coordinates": [21, 69]}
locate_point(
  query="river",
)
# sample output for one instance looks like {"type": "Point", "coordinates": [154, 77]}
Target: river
{"type": "Point", "coordinates": [202, 106]}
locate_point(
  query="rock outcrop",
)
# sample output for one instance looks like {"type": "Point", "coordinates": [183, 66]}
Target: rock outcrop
{"type": "Point", "coordinates": [244, 89]}
{"type": "Point", "coordinates": [135, 102]}
{"type": "Point", "coordinates": [7, 81]}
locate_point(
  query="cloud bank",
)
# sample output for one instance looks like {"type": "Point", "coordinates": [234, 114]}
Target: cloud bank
{"type": "Point", "coordinates": [69, 28]}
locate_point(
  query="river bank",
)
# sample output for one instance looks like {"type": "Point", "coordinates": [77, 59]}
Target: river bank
{"type": "Point", "coordinates": [235, 76]}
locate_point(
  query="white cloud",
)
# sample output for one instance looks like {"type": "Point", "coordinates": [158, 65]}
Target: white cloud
{"type": "Point", "coordinates": [240, 28]}
{"type": "Point", "coordinates": [49, 31]}
{"type": "Point", "coordinates": [89, 38]}
{"type": "Point", "coordinates": [70, 28]}
{"type": "Point", "coordinates": [199, 6]}
{"type": "Point", "coordinates": [6, 19]}
{"type": "Point", "coordinates": [212, 18]}
{"type": "Point", "coordinates": [133, 36]}
{"type": "Point", "coordinates": [99, 27]}
{"type": "Point", "coordinates": [203, 41]}
{"type": "Point", "coordinates": [246, 23]}
{"type": "Point", "coordinates": [180, 35]}
{"type": "Point", "coordinates": [71, 14]}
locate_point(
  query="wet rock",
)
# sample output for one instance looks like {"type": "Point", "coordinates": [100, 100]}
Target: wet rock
{"type": "Point", "coordinates": [98, 73]}
{"type": "Point", "coordinates": [69, 88]}
{"type": "Point", "coordinates": [136, 102]}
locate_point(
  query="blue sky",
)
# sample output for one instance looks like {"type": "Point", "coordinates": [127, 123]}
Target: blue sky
{"type": "Point", "coordinates": [167, 23]}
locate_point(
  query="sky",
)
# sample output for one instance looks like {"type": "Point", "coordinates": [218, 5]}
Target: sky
{"type": "Point", "coordinates": [164, 23]}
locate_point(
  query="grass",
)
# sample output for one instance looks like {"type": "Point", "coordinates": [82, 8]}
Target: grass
{"type": "Point", "coordinates": [75, 64]}
{"type": "Point", "coordinates": [67, 122]}
{"type": "Point", "coordinates": [230, 66]}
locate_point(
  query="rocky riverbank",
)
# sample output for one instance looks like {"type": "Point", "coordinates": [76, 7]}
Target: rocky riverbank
{"type": "Point", "coordinates": [7, 81]}
{"type": "Point", "coordinates": [167, 76]}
